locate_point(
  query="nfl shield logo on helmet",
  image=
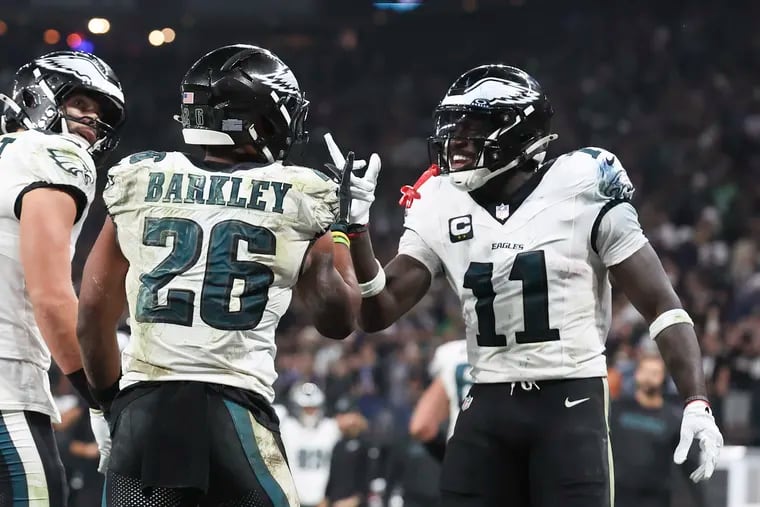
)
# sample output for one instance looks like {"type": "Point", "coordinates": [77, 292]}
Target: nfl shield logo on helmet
{"type": "Point", "coordinates": [502, 211]}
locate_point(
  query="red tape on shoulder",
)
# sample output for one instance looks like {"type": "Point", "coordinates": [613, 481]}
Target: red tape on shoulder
{"type": "Point", "coordinates": [410, 193]}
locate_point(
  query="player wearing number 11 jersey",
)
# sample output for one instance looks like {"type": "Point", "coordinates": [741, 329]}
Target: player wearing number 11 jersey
{"type": "Point", "coordinates": [527, 244]}
{"type": "Point", "coordinates": [207, 253]}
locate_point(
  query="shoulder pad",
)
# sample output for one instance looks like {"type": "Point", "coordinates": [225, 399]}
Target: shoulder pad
{"type": "Point", "coordinates": [611, 179]}
{"type": "Point", "coordinates": [67, 153]}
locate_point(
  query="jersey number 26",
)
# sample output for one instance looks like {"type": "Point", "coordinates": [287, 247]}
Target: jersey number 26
{"type": "Point", "coordinates": [221, 271]}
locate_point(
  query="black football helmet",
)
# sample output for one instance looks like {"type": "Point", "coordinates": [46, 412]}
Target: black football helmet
{"type": "Point", "coordinates": [42, 85]}
{"type": "Point", "coordinates": [493, 118]}
{"type": "Point", "coordinates": [243, 94]}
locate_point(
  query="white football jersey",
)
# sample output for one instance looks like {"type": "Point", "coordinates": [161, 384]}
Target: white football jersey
{"type": "Point", "coordinates": [532, 278]}
{"type": "Point", "coordinates": [450, 365]}
{"type": "Point", "coordinates": [309, 450]}
{"type": "Point", "coordinates": [214, 252]}
{"type": "Point", "coordinates": [28, 160]}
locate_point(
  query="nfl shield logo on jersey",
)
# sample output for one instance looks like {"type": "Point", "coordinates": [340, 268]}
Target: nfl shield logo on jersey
{"type": "Point", "coordinates": [460, 228]}
{"type": "Point", "coordinates": [502, 211]}
{"type": "Point", "coordinates": [466, 403]}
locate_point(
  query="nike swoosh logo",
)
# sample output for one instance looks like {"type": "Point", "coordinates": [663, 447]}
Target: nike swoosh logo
{"type": "Point", "coordinates": [570, 404]}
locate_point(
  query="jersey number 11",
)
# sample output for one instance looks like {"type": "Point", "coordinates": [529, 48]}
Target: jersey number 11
{"type": "Point", "coordinates": [530, 268]}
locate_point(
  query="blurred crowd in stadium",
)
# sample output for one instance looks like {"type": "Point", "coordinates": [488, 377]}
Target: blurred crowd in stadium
{"type": "Point", "coordinates": [674, 94]}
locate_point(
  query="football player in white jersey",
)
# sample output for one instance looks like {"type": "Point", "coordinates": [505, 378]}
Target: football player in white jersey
{"type": "Point", "coordinates": [65, 108]}
{"type": "Point", "coordinates": [309, 439]}
{"type": "Point", "coordinates": [452, 378]}
{"type": "Point", "coordinates": [207, 253]}
{"type": "Point", "coordinates": [528, 245]}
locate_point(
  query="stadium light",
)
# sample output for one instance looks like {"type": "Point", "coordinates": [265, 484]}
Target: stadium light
{"type": "Point", "coordinates": [156, 38]}
{"type": "Point", "coordinates": [74, 40]}
{"type": "Point", "coordinates": [169, 35]}
{"type": "Point", "coordinates": [51, 36]}
{"type": "Point", "coordinates": [99, 25]}
{"type": "Point", "coordinates": [86, 46]}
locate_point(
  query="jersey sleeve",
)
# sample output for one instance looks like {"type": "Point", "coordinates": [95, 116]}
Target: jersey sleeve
{"type": "Point", "coordinates": [438, 362]}
{"type": "Point", "coordinates": [319, 208]}
{"type": "Point", "coordinates": [412, 244]}
{"type": "Point", "coordinates": [115, 191]}
{"type": "Point", "coordinates": [42, 160]}
{"type": "Point", "coordinates": [615, 232]}
{"type": "Point", "coordinates": [619, 234]}
{"type": "Point", "coordinates": [122, 179]}
{"type": "Point", "coordinates": [419, 229]}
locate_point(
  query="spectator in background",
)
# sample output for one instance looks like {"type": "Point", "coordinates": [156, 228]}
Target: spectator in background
{"type": "Point", "coordinates": [350, 463]}
{"type": "Point", "coordinates": [645, 430]}
{"type": "Point", "coordinates": [309, 438]}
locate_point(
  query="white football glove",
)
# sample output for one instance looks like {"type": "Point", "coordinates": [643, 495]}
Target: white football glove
{"type": "Point", "coordinates": [102, 434]}
{"type": "Point", "coordinates": [698, 422]}
{"type": "Point", "coordinates": [362, 189]}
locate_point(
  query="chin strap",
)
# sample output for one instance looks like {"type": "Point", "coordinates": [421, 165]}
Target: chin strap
{"type": "Point", "coordinates": [410, 193]}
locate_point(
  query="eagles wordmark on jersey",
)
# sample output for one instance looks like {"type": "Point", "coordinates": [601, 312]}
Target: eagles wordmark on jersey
{"type": "Point", "coordinates": [215, 250]}
{"type": "Point", "coordinates": [534, 286]}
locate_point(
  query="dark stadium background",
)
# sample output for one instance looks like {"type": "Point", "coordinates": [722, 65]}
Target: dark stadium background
{"type": "Point", "coordinates": [673, 88]}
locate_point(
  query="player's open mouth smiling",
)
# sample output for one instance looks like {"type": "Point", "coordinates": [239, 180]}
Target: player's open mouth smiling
{"type": "Point", "coordinates": [462, 160]}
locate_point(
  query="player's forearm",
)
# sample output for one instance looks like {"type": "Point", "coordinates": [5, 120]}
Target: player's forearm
{"type": "Point", "coordinates": [345, 267]}
{"type": "Point", "coordinates": [333, 313]}
{"type": "Point", "coordinates": [102, 300]}
{"type": "Point", "coordinates": [647, 286]}
{"type": "Point", "coordinates": [99, 313]}
{"type": "Point", "coordinates": [380, 311]}
{"type": "Point", "coordinates": [55, 312]}
{"type": "Point", "coordinates": [678, 345]}
{"type": "Point", "coordinates": [100, 350]}
{"type": "Point", "coordinates": [336, 301]}
{"type": "Point", "coordinates": [680, 350]}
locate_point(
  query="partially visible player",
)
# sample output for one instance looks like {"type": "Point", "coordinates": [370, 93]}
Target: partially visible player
{"type": "Point", "coordinates": [309, 439]}
{"type": "Point", "coordinates": [443, 398]}
{"type": "Point", "coordinates": [65, 108]}
{"type": "Point", "coordinates": [528, 245]}
{"type": "Point", "coordinates": [207, 252]}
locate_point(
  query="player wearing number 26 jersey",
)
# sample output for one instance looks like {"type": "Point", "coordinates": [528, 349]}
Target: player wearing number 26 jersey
{"type": "Point", "coordinates": [528, 244]}
{"type": "Point", "coordinates": [207, 253]}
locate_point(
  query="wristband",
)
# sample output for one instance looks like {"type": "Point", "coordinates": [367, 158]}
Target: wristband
{"type": "Point", "coordinates": [78, 380]}
{"type": "Point", "coordinates": [105, 397]}
{"type": "Point", "coordinates": [698, 397]}
{"type": "Point", "coordinates": [374, 286]}
{"type": "Point", "coordinates": [341, 237]}
{"type": "Point", "coordinates": [355, 230]}
{"type": "Point", "coordinates": [667, 319]}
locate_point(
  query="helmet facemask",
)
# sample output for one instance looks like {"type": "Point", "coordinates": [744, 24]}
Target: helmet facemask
{"type": "Point", "coordinates": [42, 86]}
{"type": "Point", "coordinates": [106, 126]}
{"type": "Point", "coordinates": [473, 145]}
